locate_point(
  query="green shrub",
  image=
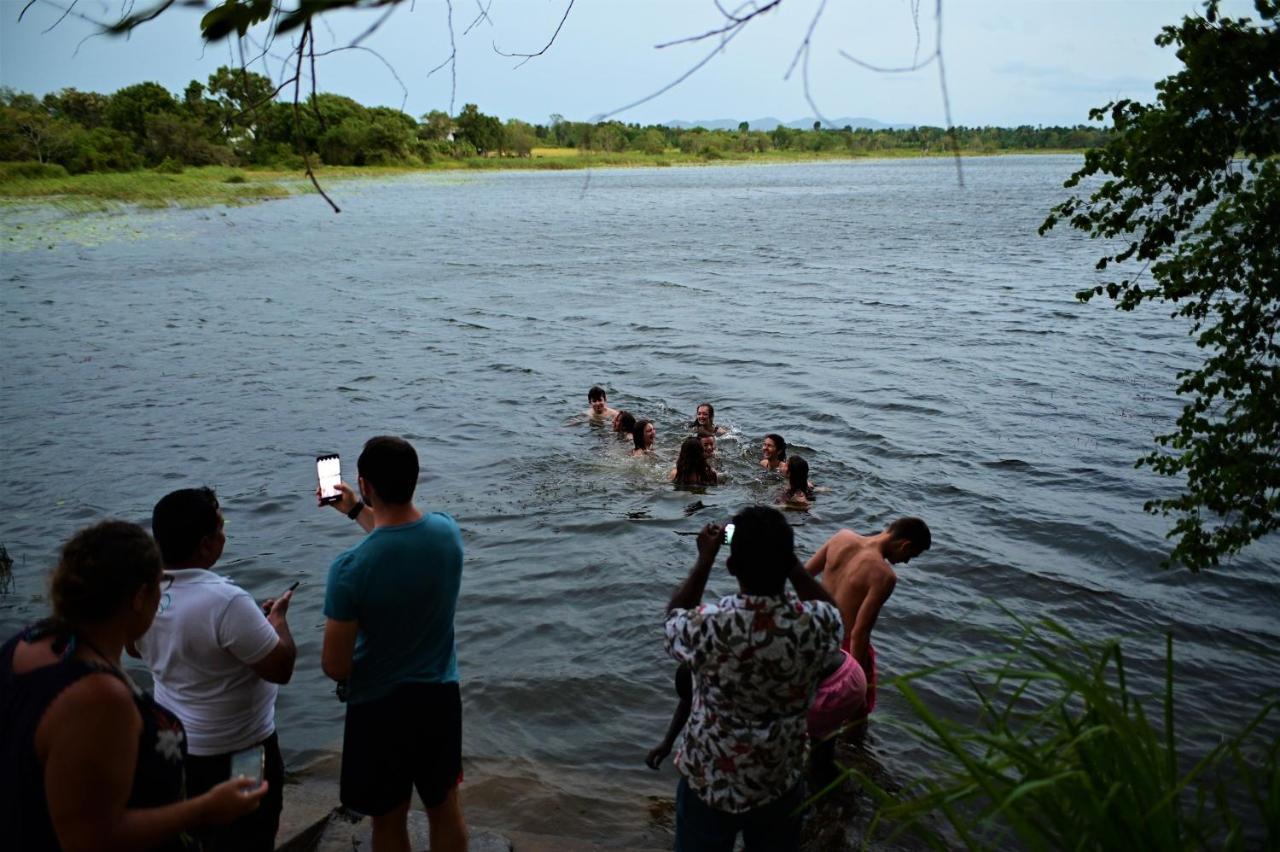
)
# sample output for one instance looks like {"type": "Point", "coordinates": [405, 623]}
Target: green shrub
{"type": "Point", "coordinates": [31, 171]}
{"type": "Point", "coordinates": [169, 166]}
{"type": "Point", "coordinates": [1064, 756]}
{"type": "Point", "coordinates": [236, 178]}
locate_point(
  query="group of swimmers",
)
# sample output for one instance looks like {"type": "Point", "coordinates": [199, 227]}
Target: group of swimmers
{"type": "Point", "coordinates": [695, 463]}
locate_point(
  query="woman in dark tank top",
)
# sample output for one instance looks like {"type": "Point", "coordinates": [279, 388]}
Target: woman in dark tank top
{"type": "Point", "coordinates": [87, 759]}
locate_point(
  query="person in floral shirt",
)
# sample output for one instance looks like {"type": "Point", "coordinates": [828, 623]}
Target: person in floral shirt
{"type": "Point", "coordinates": [756, 659]}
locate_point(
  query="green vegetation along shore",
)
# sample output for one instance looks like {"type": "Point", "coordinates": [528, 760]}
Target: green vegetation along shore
{"type": "Point", "coordinates": [203, 186]}
{"type": "Point", "coordinates": [229, 140]}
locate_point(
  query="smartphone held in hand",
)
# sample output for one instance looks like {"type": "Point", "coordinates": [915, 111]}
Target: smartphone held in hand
{"type": "Point", "coordinates": [329, 472]}
{"type": "Point", "coordinates": [250, 763]}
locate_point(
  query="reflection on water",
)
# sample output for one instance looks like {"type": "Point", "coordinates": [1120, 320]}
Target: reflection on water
{"type": "Point", "coordinates": [916, 342]}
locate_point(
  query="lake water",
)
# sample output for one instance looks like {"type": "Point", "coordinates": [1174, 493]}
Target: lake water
{"type": "Point", "coordinates": [915, 340]}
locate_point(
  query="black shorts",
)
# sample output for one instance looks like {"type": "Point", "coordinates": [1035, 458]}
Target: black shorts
{"type": "Point", "coordinates": [410, 739]}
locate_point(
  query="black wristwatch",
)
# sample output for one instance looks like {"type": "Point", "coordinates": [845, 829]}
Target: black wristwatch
{"type": "Point", "coordinates": [356, 510]}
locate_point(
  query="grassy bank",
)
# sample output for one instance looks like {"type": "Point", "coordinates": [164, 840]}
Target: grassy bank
{"type": "Point", "coordinates": [220, 185]}
{"type": "Point", "coordinates": [191, 188]}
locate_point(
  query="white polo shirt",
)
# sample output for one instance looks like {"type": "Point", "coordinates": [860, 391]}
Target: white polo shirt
{"type": "Point", "coordinates": [206, 635]}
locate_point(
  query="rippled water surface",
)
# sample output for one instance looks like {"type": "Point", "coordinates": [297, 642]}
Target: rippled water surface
{"type": "Point", "coordinates": [916, 341]}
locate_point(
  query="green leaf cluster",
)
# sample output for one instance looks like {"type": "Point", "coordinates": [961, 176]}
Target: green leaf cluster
{"type": "Point", "coordinates": [1190, 201]}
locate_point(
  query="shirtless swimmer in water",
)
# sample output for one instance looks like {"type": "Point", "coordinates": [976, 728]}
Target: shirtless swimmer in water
{"type": "Point", "coordinates": [599, 405]}
{"type": "Point", "coordinates": [857, 570]}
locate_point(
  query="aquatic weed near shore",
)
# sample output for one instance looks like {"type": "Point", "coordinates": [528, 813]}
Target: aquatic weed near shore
{"type": "Point", "coordinates": [1063, 755]}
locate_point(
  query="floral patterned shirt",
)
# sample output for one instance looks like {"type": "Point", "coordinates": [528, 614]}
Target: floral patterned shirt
{"type": "Point", "coordinates": [756, 662]}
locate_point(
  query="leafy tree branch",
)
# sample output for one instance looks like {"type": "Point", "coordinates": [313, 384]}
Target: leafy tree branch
{"type": "Point", "coordinates": [1190, 195]}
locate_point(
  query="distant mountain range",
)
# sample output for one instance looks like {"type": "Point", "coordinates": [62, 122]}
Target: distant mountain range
{"type": "Point", "coordinates": [770, 123]}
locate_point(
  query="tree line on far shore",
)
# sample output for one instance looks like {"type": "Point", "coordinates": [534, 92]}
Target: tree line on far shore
{"type": "Point", "coordinates": [236, 119]}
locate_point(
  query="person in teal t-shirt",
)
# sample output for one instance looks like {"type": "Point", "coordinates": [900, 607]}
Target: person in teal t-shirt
{"type": "Point", "coordinates": [388, 638]}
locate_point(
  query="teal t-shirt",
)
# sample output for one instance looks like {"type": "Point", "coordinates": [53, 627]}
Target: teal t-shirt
{"type": "Point", "coordinates": [401, 585]}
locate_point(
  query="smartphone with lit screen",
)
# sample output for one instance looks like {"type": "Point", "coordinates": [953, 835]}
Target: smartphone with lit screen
{"type": "Point", "coordinates": [329, 472]}
{"type": "Point", "coordinates": [249, 763]}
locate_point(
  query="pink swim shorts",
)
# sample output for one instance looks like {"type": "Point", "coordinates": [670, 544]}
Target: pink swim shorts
{"type": "Point", "coordinates": [840, 698]}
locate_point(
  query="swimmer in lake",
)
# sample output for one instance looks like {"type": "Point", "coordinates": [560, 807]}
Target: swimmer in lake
{"type": "Point", "coordinates": [623, 423]}
{"type": "Point", "coordinates": [599, 401]}
{"type": "Point", "coordinates": [708, 445]}
{"type": "Point", "coordinates": [692, 468]}
{"type": "Point", "coordinates": [643, 436]}
{"type": "Point", "coordinates": [705, 420]}
{"type": "Point", "coordinates": [799, 490]}
{"type": "Point", "coordinates": [775, 453]}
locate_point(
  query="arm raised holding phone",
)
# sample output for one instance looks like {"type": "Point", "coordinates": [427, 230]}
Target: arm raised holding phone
{"type": "Point", "coordinates": [350, 505]}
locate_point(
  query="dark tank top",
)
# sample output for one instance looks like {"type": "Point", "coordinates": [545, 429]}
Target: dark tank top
{"type": "Point", "coordinates": [24, 698]}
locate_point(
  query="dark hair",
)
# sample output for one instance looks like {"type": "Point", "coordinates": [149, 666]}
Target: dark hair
{"type": "Point", "coordinates": [763, 550]}
{"type": "Point", "coordinates": [779, 442]}
{"type": "Point", "coordinates": [390, 465]}
{"type": "Point", "coordinates": [691, 465]}
{"type": "Point", "coordinates": [627, 421]}
{"type": "Point", "coordinates": [99, 571]}
{"type": "Point", "coordinates": [595, 393]}
{"type": "Point", "coordinates": [181, 520]}
{"type": "Point", "coordinates": [637, 434]}
{"type": "Point", "coordinates": [711, 411]}
{"type": "Point", "coordinates": [912, 530]}
{"type": "Point", "coordinates": [798, 477]}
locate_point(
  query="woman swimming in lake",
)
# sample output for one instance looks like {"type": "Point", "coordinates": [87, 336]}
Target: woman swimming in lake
{"type": "Point", "coordinates": [799, 490]}
{"type": "Point", "coordinates": [705, 420]}
{"type": "Point", "coordinates": [775, 453]}
{"type": "Point", "coordinates": [692, 468]}
{"type": "Point", "coordinates": [624, 422]}
{"type": "Point", "coordinates": [643, 436]}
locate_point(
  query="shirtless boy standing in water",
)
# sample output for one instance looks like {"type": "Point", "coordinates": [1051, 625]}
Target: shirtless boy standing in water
{"type": "Point", "coordinates": [857, 570]}
{"type": "Point", "coordinates": [599, 408]}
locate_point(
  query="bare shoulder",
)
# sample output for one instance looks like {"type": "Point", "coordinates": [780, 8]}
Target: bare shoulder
{"type": "Point", "coordinates": [877, 570]}
{"type": "Point", "coordinates": [99, 700]}
{"type": "Point", "coordinates": [95, 690]}
{"type": "Point", "coordinates": [844, 545]}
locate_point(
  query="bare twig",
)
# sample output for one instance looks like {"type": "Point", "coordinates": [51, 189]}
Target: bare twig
{"type": "Point", "coordinates": [382, 19]}
{"type": "Point", "coordinates": [62, 18]}
{"type": "Point", "coordinates": [946, 99]}
{"type": "Point", "coordinates": [881, 69]}
{"type": "Point", "coordinates": [915, 22]}
{"type": "Point", "coordinates": [404, 90]}
{"type": "Point", "coordinates": [547, 46]}
{"type": "Point", "coordinates": [483, 16]}
{"type": "Point", "coordinates": [451, 60]}
{"type": "Point", "coordinates": [735, 23]}
{"type": "Point", "coordinates": [729, 36]}
{"type": "Point", "coordinates": [729, 15]}
{"type": "Point", "coordinates": [307, 35]}
{"type": "Point", "coordinates": [128, 21]}
{"type": "Point", "coordinates": [803, 49]}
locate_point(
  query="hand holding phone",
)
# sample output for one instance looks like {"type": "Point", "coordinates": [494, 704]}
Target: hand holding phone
{"type": "Point", "coordinates": [709, 540]}
{"type": "Point", "coordinates": [249, 764]}
{"type": "Point", "coordinates": [270, 603]}
{"type": "Point", "coordinates": [329, 474]}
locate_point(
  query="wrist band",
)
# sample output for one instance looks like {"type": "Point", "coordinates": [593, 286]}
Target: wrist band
{"type": "Point", "coordinates": [356, 510]}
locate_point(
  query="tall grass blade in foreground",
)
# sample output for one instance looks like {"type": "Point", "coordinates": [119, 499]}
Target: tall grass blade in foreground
{"type": "Point", "coordinates": [1063, 755]}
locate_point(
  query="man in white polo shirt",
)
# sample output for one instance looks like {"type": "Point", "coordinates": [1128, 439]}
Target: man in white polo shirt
{"type": "Point", "coordinates": [217, 656]}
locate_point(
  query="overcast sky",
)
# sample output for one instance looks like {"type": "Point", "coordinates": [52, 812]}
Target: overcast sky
{"type": "Point", "coordinates": [1008, 62]}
